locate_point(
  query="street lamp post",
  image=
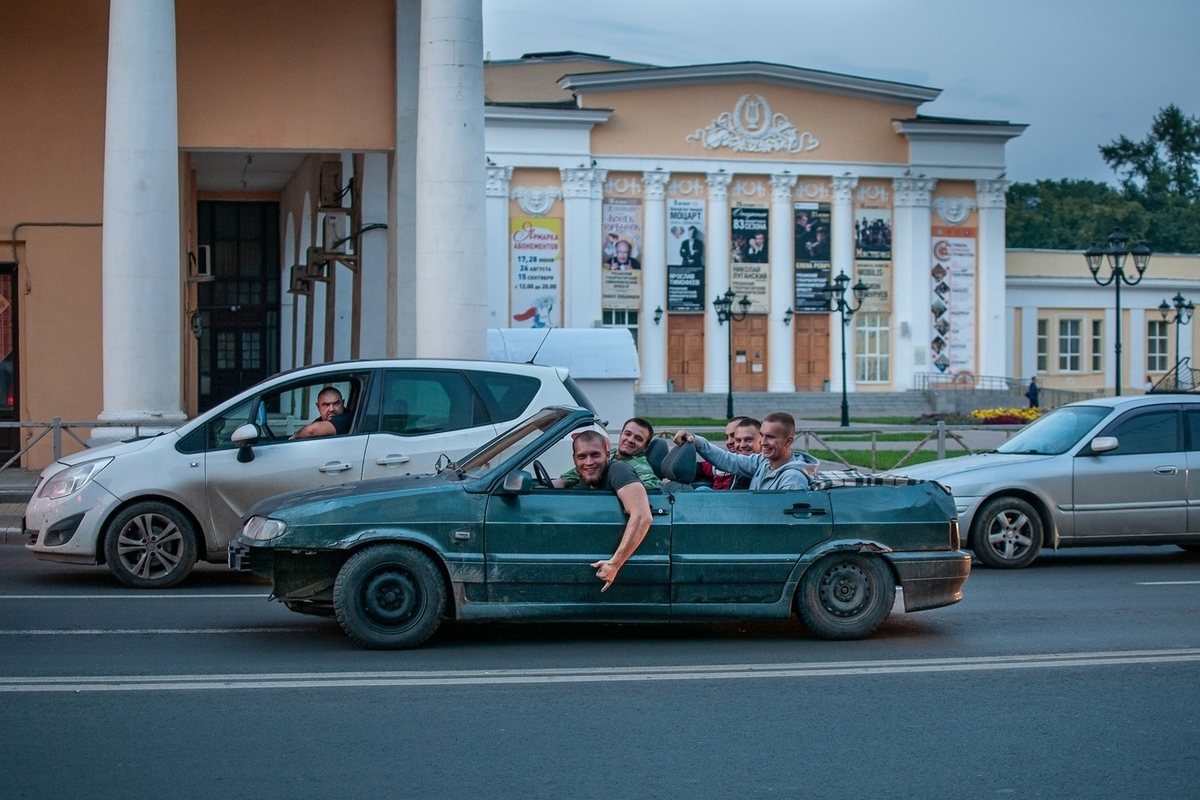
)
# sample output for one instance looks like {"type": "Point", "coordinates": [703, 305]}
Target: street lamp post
{"type": "Point", "coordinates": [1117, 253]}
{"type": "Point", "coordinates": [835, 293]}
{"type": "Point", "coordinates": [1183, 315]}
{"type": "Point", "coordinates": [724, 306]}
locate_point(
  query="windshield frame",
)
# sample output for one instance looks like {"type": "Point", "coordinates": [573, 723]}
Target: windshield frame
{"type": "Point", "coordinates": [551, 424]}
{"type": "Point", "coordinates": [1057, 432]}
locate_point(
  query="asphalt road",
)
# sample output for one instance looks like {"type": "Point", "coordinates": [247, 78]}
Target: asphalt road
{"type": "Point", "coordinates": [1075, 678]}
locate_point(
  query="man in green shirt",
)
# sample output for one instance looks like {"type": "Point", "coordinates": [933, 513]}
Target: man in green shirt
{"type": "Point", "coordinates": [635, 435]}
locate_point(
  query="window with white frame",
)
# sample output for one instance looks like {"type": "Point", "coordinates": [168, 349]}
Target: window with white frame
{"type": "Point", "coordinates": [1156, 345]}
{"type": "Point", "coordinates": [872, 347]}
{"type": "Point", "coordinates": [1043, 345]}
{"type": "Point", "coordinates": [1097, 345]}
{"type": "Point", "coordinates": [1069, 344]}
{"type": "Point", "coordinates": [622, 318]}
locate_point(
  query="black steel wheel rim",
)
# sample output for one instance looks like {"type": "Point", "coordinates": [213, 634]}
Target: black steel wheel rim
{"type": "Point", "coordinates": [845, 590]}
{"type": "Point", "coordinates": [392, 598]}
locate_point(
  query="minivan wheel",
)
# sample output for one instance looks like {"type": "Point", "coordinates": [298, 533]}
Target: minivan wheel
{"type": "Point", "coordinates": [150, 545]}
{"type": "Point", "coordinates": [1007, 533]}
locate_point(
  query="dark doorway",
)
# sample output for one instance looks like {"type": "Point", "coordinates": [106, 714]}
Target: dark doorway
{"type": "Point", "coordinates": [10, 438]}
{"type": "Point", "coordinates": [238, 311]}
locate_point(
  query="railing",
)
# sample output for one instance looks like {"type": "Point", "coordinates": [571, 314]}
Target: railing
{"type": "Point", "coordinates": [1182, 379]}
{"type": "Point", "coordinates": [964, 380]}
{"type": "Point", "coordinates": [55, 429]}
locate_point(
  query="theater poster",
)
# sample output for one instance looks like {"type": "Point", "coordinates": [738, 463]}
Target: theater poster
{"type": "Point", "coordinates": [685, 255]}
{"type": "Point", "coordinates": [621, 223]}
{"type": "Point", "coordinates": [873, 257]}
{"type": "Point", "coordinates": [748, 259]}
{"type": "Point", "coordinates": [535, 246]}
{"type": "Point", "coordinates": [811, 226]}
{"type": "Point", "coordinates": [952, 276]}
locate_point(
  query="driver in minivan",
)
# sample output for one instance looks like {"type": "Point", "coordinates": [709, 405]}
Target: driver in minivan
{"type": "Point", "coordinates": [333, 419]}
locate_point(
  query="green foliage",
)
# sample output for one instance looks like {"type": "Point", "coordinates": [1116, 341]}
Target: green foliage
{"type": "Point", "coordinates": [1071, 215]}
{"type": "Point", "coordinates": [1164, 163]}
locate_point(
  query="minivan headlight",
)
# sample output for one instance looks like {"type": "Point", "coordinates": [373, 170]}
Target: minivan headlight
{"type": "Point", "coordinates": [263, 529]}
{"type": "Point", "coordinates": [71, 480]}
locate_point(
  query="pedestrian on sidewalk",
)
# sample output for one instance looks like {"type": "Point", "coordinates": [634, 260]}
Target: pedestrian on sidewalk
{"type": "Point", "coordinates": [1032, 393]}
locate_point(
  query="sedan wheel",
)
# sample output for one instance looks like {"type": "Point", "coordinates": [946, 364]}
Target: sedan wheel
{"type": "Point", "coordinates": [389, 596]}
{"type": "Point", "coordinates": [1007, 533]}
{"type": "Point", "coordinates": [150, 546]}
{"type": "Point", "coordinates": [846, 595]}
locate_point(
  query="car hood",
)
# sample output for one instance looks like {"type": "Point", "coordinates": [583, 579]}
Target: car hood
{"type": "Point", "coordinates": [334, 495]}
{"type": "Point", "coordinates": [955, 470]}
{"type": "Point", "coordinates": [106, 451]}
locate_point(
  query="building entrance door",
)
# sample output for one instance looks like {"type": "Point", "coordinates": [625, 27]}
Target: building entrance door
{"type": "Point", "coordinates": [750, 354]}
{"type": "Point", "coordinates": [237, 312]}
{"type": "Point", "coordinates": [812, 351]}
{"type": "Point", "coordinates": [10, 438]}
{"type": "Point", "coordinates": [685, 351]}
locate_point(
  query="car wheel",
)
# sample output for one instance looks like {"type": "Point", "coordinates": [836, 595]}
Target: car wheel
{"type": "Point", "coordinates": [846, 595]}
{"type": "Point", "coordinates": [150, 546]}
{"type": "Point", "coordinates": [389, 596]}
{"type": "Point", "coordinates": [1007, 533]}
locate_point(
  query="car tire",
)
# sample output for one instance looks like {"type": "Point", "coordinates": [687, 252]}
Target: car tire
{"type": "Point", "coordinates": [846, 595]}
{"type": "Point", "coordinates": [1007, 533]}
{"type": "Point", "coordinates": [150, 545]}
{"type": "Point", "coordinates": [389, 597]}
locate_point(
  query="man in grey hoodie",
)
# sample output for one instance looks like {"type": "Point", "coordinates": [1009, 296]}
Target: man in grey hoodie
{"type": "Point", "coordinates": [774, 468]}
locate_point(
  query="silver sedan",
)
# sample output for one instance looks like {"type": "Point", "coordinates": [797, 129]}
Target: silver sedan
{"type": "Point", "coordinates": [1107, 471]}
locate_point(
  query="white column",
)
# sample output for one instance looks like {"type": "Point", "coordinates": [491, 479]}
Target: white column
{"type": "Point", "coordinates": [912, 292]}
{"type": "Point", "coordinates": [498, 267]}
{"type": "Point", "coordinates": [781, 360]}
{"type": "Point", "coordinates": [652, 336]}
{"type": "Point", "coordinates": [373, 258]}
{"type": "Point", "coordinates": [989, 332]}
{"type": "Point", "coordinates": [1027, 365]}
{"type": "Point", "coordinates": [716, 337]}
{"type": "Point", "coordinates": [451, 228]}
{"type": "Point", "coordinates": [1133, 350]}
{"type": "Point", "coordinates": [841, 245]}
{"type": "Point", "coordinates": [141, 248]}
{"type": "Point", "coordinates": [581, 258]}
{"type": "Point", "coordinates": [402, 188]}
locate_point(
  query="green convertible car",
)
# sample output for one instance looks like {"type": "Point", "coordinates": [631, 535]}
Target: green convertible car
{"type": "Point", "coordinates": [484, 540]}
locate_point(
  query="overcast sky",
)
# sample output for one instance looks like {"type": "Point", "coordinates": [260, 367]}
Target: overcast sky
{"type": "Point", "coordinates": [1078, 73]}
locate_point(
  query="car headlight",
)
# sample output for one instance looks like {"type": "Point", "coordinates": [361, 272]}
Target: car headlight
{"type": "Point", "coordinates": [71, 480]}
{"type": "Point", "coordinates": [263, 529]}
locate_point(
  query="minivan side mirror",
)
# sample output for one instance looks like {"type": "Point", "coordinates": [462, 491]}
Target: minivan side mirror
{"type": "Point", "coordinates": [1102, 444]}
{"type": "Point", "coordinates": [245, 436]}
{"type": "Point", "coordinates": [517, 482]}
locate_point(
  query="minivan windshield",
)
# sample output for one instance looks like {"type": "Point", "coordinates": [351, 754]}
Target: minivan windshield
{"type": "Point", "coordinates": [1057, 432]}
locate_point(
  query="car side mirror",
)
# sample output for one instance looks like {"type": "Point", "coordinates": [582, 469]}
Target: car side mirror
{"type": "Point", "coordinates": [244, 437]}
{"type": "Point", "coordinates": [517, 482]}
{"type": "Point", "coordinates": [1102, 444]}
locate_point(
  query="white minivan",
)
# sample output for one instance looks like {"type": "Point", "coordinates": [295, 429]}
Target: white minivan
{"type": "Point", "coordinates": [149, 508]}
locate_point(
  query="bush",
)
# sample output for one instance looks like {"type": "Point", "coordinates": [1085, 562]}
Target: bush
{"type": "Point", "coordinates": [1005, 416]}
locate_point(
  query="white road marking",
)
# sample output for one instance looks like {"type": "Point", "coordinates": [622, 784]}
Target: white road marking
{"type": "Point", "coordinates": [142, 631]}
{"type": "Point", "coordinates": [1168, 583]}
{"type": "Point", "coordinates": [705, 672]}
{"type": "Point", "coordinates": [143, 596]}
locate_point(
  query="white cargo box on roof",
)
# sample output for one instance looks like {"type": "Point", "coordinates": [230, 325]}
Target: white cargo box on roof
{"type": "Point", "coordinates": [602, 361]}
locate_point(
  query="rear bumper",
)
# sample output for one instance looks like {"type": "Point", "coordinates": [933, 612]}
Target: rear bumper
{"type": "Point", "coordinates": [931, 580]}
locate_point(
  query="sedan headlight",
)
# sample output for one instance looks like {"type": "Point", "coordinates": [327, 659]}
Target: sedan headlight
{"type": "Point", "coordinates": [263, 529]}
{"type": "Point", "coordinates": [71, 480]}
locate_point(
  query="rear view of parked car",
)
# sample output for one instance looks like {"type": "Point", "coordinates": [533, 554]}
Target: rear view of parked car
{"type": "Point", "coordinates": [1108, 471]}
{"type": "Point", "coordinates": [151, 507]}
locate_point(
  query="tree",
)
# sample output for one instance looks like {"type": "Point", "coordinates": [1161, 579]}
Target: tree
{"type": "Point", "coordinates": [1070, 214]}
{"type": "Point", "coordinates": [1162, 164]}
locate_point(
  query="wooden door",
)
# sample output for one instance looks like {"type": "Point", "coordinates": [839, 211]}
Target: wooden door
{"type": "Point", "coordinates": [812, 351]}
{"type": "Point", "coordinates": [750, 354]}
{"type": "Point", "coordinates": [685, 351]}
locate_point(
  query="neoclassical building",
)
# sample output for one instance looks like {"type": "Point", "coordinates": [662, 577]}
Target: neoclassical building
{"type": "Point", "coordinates": [764, 179]}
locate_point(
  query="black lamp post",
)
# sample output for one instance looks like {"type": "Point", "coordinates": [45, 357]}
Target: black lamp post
{"type": "Point", "coordinates": [1183, 315]}
{"type": "Point", "coordinates": [724, 306]}
{"type": "Point", "coordinates": [1117, 253]}
{"type": "Point", "coordinates": [835, 293]}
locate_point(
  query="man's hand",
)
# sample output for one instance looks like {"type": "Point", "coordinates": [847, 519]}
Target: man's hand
{"type": "Point", "coordinates": [684, 436]}
{"type": "Point", "coordinates": [606, 571]}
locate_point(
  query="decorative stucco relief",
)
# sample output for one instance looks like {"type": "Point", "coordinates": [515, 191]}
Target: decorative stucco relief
{"type": "Point", "coordinates": [752, 128]}
{"type": "Point", "coordinates": [536, 201]}
{"type": "Point", "coordinates": [954, 210]}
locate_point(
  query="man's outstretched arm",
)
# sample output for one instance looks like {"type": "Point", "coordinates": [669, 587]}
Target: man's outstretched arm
{"type": "Point", "coordinates": [637, 506]}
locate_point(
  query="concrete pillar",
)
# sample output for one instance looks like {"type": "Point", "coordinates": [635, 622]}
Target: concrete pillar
{"type": "Point", "coordinates": [841, 245]}
{"type": "Point", "coordinates": [652, 336]}
{"type": "Point", "coordinates": [451, 311]}
{"type": "Point", "coordinates": [990, 331]}
{"type": "Point", "coordinates": [716, 337]}
{"type": "Point", "coordinates": [1028, 355]}
{"type": "Point", "coordinates": [781, 361]}
{"type": "Point", "coordinates": [402, 198]}
{"type": "Point", "coordinates": [582, 191]}
{"type": "Point", "coordinates": [141, 248]}
{"type": "Point", "coordinates": [373, 258]}
{"type": "Point", "coordinates": [912, 290]}
{"type": "Point", "coordinates": [498, 267]}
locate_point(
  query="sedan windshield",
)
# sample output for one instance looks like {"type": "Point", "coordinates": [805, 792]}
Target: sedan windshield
{"type": "Point", "coordinates": [1057, 432]}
